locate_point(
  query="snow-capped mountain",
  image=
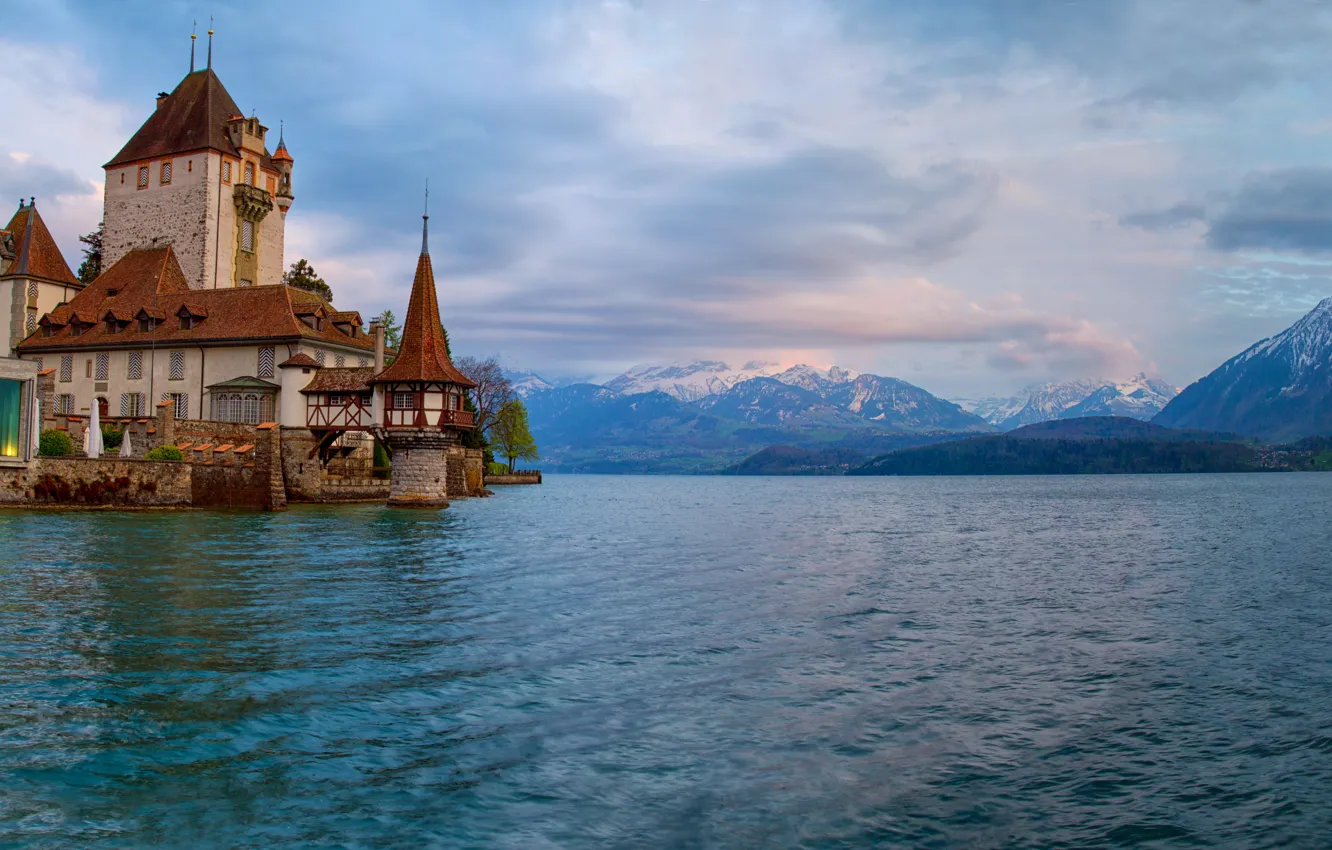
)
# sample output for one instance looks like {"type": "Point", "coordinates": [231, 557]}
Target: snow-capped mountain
{"type": "Point", "coordinates": [1277, 389]}
{"type": "Point", "coordinates": [1139, 397]}
{"type": "Point", "coordinates": [689, 381]}
{"type": "Point", "coordinates": [772, 401]}
{"type": "Point", "coordinates": [526, 383]}
{"type": "Point", "coordinates": [895, 402]}
{"type": "Point", "coordinates": [815, 379]}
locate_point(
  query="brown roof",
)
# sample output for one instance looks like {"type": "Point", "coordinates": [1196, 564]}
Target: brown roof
{"type": "Point", "coordinates": [193, 117]}
{"type": "Point", "coordinates": [345, 316]}
{"type": "Point", "coordinates": [341, 380]}
{"type": "Point", "coordinates": [423, 354]}
{"type": "Point", "coordinates": [35, 249]}
{"type": "Point", "coordinates": [151, 281]}
{"type": "Point", "coordinates": [300, 359]}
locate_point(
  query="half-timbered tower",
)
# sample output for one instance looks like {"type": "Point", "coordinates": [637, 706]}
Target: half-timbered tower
{"type": "Point", "coordinates": [421, 398]}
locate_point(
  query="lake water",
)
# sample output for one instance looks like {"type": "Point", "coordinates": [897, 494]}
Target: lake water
{"type": "Point", "coordinates": [681, 662]}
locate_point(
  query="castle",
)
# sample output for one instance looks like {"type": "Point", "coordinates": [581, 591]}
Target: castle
{"type": "Point", "coordinates": [191, 311]}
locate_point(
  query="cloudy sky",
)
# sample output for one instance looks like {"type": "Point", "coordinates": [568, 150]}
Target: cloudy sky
{"type": "Point", "coordinates": [968, 194]}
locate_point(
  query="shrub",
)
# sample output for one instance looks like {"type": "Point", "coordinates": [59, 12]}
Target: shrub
{"type": "Point", "coordinates": [164, 453]}
{"type": "Point", "coordinates": [112, 437]}
{"type": "Point", "coordinates": [53, 443]}
{"type": "Point", "coordinates": [496, 469]}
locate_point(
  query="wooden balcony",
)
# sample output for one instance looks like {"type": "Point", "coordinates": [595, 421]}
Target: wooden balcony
{"type": "Point", "coordinates": [425, 417]}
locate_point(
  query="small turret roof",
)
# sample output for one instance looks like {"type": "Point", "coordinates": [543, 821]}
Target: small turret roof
{"type": "Point", "coordinates": [35, 250]}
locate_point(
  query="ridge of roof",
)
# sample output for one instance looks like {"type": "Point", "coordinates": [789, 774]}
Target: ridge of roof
{"type": "Point", "coordinates": [35, 249]}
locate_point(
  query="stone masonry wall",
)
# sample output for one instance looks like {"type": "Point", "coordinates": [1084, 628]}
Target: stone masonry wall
{"type": "Point", "coordinates": [420, 468]}
{"type": "Point", "coordinates": [176, 214]}
{"type": "Point", "coordinates": [97, 482]}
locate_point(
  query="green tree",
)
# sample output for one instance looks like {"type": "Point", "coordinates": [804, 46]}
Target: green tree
{"type": "Point", "coordinates": [91, 266]}
{"type": "Point", "coordinates": [302, 276]}
{"type": "Point", "coordinates": [392, 330]}
{"type": "Point", "coordinates": [511, 433]}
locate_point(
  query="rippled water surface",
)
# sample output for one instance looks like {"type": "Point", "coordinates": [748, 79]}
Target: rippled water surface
{"type": "Point", "coordinates": [681, 662]}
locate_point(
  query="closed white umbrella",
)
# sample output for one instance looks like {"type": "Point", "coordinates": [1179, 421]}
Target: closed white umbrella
{"type": "Point", "coordinates": [86, 438]}
{"type": "Point", "coordinates": [377, 407]}
{"type": "Point", "coordinates": [125, 449]}
{"type": "Point", "coordinates": [36, 425]}
{"type": "Point", "coordinates": [95, 432]}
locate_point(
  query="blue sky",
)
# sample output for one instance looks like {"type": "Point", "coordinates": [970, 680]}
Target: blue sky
{"type": "Point", "coordinates": [970, 195]}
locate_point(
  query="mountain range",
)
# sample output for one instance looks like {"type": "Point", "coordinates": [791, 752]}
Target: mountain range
{"type": "Point", "coordinates": [1277, 389]}
{"type": "Point", "coordinates": [1139, 397]}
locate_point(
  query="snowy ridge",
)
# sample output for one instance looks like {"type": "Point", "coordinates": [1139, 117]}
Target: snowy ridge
{"type": "Point", "coordinates": [1140, 397]}
{"type": "Point", "coordinates": [689, 381]}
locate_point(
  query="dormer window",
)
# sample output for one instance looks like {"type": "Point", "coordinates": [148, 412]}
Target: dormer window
{"type": "Point", "coordinates": [146, 323]}
{"type": "Point", "coordinates": [112, 293]}
{"type": "Point", "coordinates": [49, 330]}
{"type": "Point", "coordinates": [115, 326]}
{"type": "Point", "coordinates": [189, 319]}
{"type": "Point", "coordinates": [76, 328]}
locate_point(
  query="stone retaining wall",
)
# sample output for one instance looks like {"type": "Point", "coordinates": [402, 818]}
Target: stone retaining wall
{"type": "Point", "coordinates": [97, 482]}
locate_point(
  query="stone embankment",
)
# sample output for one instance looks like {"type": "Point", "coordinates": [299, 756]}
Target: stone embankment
{"type": "Point", "coordinates": [522, 476]}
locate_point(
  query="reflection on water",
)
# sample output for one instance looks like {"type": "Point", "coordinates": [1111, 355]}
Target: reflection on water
{"type": "Point", "coordinates": [679, 662]}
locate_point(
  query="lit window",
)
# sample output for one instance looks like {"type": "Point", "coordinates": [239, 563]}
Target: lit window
{"type": "Point", "coordinates": [143, 177]}
{"type": "Point", "coordinates": [176, 371]}
{"type": "Point", "coordinates": [247, 236]}
{"type": "Point", "coordinates": [166, 173]}
{"type": "Point", "coordinates": [67, 368]}
{"type": "Point", "coordinates": [266, 358]}
{"type": "Point", "coordinates": [135, 372]}
{"type": "Point", "coordinates": [103, 366]}
{"type": "Point", "coordinates": [404, 401]}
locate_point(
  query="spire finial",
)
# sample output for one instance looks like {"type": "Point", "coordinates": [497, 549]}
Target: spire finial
{"type": "Point", "coordinates": [425, 221]}
{"type": "Point", "coordinates": [194, 34]}
{"type": "Point", "coordinates": [210, 42]}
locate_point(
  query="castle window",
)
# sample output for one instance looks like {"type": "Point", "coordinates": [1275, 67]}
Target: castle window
{"type": "Point", "coordinates": [271, 185]}
{"type": "Point", "coordinates": [146, 323]}
{"type": "Point", "coordinates": [320, 357]}
{"type": "Point", "coordinates": [103, 366]}
{"type": "Point", "coordinates": [189, 165]}
{"type": "Point", "coordinates": [266, 357]}
{"type": "Point", "coordinates": [226, 171]}
{"type": "Point", "coordinates": [181, 402]}
{"type": "Point", "coordinates": [266, 408]}
{"type": "Point", "coordinates": [32, 289]}
{"type": "Point", "coordinates": [143, 177]}
{"type": "Point", "coordinates": [65, 403]}
{"type": "Point", "coordinates": [249, 174]}
{"type": "Point", "coordinates": [339, 361]}
{"type": "Point", "coordinates": [176, 371]}
{"type": "Point", "coordinates": [404, 400]}
{"type": "Point", "coordinates": [189, 322]}
{"type": "Point", "coordinates": [244, 282]}
{"type": "Point", "coordinates": [251, 409]}
{"type": "Point", "coordinates": [362, 362]}
{"type": "Point", "coordinates": [114, 327]}
{"type": "Point", "coordinates": [166, 173]}
{"type": "Point", "coordinates": [132, 404]}
{"type": "Point", "coordinates": [32, 322]}
{"type": "Point", "coordinates": [87, 369]}
{"type": "Point", "coordinates": [135, 372]}
{"type": "Point", "coordinates": [247, 236]}
{"type": "Point", "coordinates": [67, 368]}
{"type": "Point", "coordinates": [122, 178]}
{"type": "Point", "coordinates": [50, 329]}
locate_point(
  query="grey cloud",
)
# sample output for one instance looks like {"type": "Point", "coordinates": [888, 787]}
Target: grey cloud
{"type": "Point", "coordinates": [21, 179]}
{"type": "Point", "coordinates": [1179, 215]}
{"type": "Point", "coordinates": [1284, 210]}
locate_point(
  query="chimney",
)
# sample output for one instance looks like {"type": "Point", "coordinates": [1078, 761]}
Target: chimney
{"type": "Point", "coordinates": [162, 96]}
{"type": "Point", "coordinates": [377, 331]}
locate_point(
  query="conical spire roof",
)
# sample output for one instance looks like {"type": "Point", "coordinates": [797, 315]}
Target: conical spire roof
{"type": "Point", "coordinates": [36, 252]}
{"type": "Point", "coordinates": [423, 354]}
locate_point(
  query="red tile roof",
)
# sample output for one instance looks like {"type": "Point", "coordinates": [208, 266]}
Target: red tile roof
{"type": "Point", "coordinates": [193, 117]}
{"type": "Point", "coordinates": [301, 359]}
{"type": "Point", "coordinates": [341, 380]}
{"type": "Point", "coordinates": [36, 252]}
{"type": "Point", "coordinates": [151, 281]}
{"type": "Point", "coordinates": [423, 353]}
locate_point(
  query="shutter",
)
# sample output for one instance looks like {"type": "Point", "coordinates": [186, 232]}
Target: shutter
{"type": "Point", "coordinates": [266, 357]}
{"type": "Point", "coordinates": [177, 369]}
{"type": "Point", "coordinates": [67, 368]}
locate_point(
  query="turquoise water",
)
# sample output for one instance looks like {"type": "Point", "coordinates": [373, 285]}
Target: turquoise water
{"type": "Point", "coordinates": [680, 662]}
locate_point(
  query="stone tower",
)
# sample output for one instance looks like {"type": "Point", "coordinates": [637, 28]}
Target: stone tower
{"type": "Point", "coordinates": [197, 176]}
{"type": "Point", "coordinates": [419, 400]}
{"type": "Point", "coordinates": [34, 277]}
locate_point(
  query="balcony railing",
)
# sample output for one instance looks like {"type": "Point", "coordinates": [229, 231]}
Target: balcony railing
{"type": "Point", "coordinates": [418, 417]}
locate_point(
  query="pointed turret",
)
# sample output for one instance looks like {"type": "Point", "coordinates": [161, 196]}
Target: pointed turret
{"type": "Point", "coordinates": [36, 254]}
{"type": "Point", "coordinates": [423, 353]}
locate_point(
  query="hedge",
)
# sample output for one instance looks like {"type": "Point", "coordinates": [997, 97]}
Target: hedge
{"type": "Point", "coordinates": [164, 453]}
{"type": "Point", "coordinates": [53, 443]}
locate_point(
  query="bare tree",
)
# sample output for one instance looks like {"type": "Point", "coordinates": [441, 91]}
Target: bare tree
{"type": "Point", "coordinates": [492, 390]}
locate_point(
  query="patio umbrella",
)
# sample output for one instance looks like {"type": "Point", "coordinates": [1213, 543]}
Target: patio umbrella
{"type": "Point", "coordinates": [94, 444]}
